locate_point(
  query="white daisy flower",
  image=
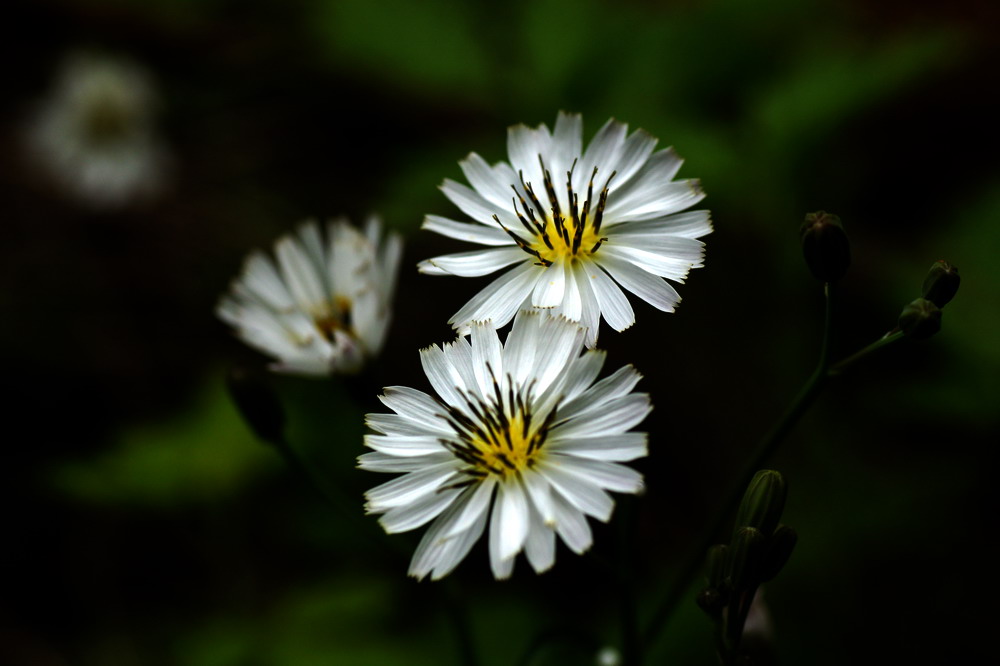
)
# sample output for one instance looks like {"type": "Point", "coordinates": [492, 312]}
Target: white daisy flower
{"type": "Point", "coordinates": [326, 307]}
{"type": "Point", "coordinates": [95, 133]}
{"type": "Point", "coordinates": [518, 436]}
{"type": "Point", "coordinates": [575, 224]}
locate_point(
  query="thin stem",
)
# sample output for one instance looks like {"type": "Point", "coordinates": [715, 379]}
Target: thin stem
{"type": "Point", "coordinates": [889, 338]}
{"type": "Point", "coordinates": [766, 447]}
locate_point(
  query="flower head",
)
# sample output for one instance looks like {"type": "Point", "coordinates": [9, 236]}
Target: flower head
{"type": "Point", "coordinates": [518, 437]}
{"type": "Point", "coordinates": [326, 306]}
{"type": "Point", "coordinates": [576, 225]}
{"type": "Point", "coordinates": [95, 132]}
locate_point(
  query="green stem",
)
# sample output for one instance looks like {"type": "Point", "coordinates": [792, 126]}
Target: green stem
{"type": "Point", "coordinates": [631, 650]}
{"type": "Point", "coordinates": [455, 605]}
{"type": "Point", "coordinates": [766, 447]}
{"type": "Point", "coordinates": [889, 338]}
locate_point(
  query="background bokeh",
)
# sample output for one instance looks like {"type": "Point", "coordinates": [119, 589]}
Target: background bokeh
{"type": "Point", "coordinates": [143, 523]}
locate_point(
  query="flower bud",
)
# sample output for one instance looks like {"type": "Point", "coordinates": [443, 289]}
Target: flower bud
{"type": "Point", "coordinates": [825, 246]}
{"type": "Point", "coordinates": [941, 283]}
{"type": "Point", "coordinates": [257, 404]}
{"type": "Point", "coordinates": [747, 550]}
{"type": "Point", "coordinates": [920, 319]}
{"type": "Point", "coordinates": [779, 549]}
{"type": "Point", "coordinates": [763, 502]}
{"type": "Point", "coordinates": [716, 564]}
{"type": "Point", "coordinates": [711, 601]}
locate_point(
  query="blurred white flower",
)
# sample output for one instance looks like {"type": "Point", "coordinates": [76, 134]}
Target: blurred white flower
{"type": "Point", "coordinates": [519, 427]}
{"type": "Point", "coordinates": [576, 224]}
{"type": "Point", "coordinates": [94, 132]}
{"type": "Point", "coordinates": [326, 307]}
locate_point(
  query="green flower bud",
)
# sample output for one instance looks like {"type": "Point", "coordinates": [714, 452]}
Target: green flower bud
{"type": "Point", "coordinates": [715, 564]}
{"type": "Point", "coordinates": [257, 404]}
{"type": "Point", "coordinates": [748, 548]}
{"type": "Point", "coordinates": [711, 601]}
{"type": "Point", "coordinates": [778, 551]}
{"type": "Point", "coordinates": [941, 283]}
{"type": "Point", "coordinates": [920, 319]}
{"type": "Point", "coordinates": [763, 502]}
{"type": "Point", "coordinates": [825, 246]}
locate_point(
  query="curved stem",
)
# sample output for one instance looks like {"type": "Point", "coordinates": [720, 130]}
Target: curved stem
{"type": "Point", "coordinates": [889, 338]}
{"type": "Point", "coordinates": [765, 448]}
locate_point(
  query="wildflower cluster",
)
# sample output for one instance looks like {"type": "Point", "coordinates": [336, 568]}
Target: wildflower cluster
{"type": "Point", "coordinates": [519, 436]}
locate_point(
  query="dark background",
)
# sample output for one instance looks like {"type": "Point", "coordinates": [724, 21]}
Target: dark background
{"type": "Point", "coordinates": [143, 523]}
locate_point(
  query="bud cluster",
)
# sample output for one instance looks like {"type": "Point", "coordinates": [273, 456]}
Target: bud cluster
{"type": "Point", "coordinates": [921, 318]}
{"type": "Point", "coordinates": [759, 549]}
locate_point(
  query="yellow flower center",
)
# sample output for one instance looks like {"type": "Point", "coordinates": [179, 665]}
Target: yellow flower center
{"type": "Point", "coordinates": [499, 436]}
{"type": "Point", "coordinates": [558, 235]}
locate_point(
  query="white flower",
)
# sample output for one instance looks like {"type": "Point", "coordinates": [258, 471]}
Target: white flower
{"type": "Point", "coordinates": [519, 437]}
{"type": "Point", "coordinates": [573, 223]}
{"type": "Point", "coordinates": [95, 134]}
{"type": "Point", "coordinates": [326, 307]}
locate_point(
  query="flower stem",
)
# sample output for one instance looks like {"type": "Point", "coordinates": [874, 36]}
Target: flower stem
{"type": "Point", "coordinates": [889, 338]}
{"type": "Point", "coordinates": [765, 448]}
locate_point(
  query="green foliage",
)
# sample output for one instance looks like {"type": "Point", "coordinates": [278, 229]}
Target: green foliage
{"type": "Point", "coordinates": [204, 453]}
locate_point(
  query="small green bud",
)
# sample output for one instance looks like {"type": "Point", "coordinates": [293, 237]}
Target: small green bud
{"type": "Point", "coordinates": [941, 283]}
{"type": "Point", "coordinates": [920, 319]}
{"type": "Point", "coordinates": [825, 246]}
{"type": "Point", "coordinates": [763, 502]}
{"type": "Point", "coordinates": [748, 548]}
{"type": "Point", "coordinates": [778, 551]}
{"type": "Point", "coordinates": [715, 564]}
{"type": "Point", "coordinates": [257, 404]}
{"type": "Point", "coordinates": [711, 601]}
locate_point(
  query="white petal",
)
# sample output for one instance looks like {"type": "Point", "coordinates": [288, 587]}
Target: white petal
{"type": "Point", "coordinates": [645, 186]}
{"type": "Point", "coordinates": [540, 546]}
{"type": "Point", "coordinates": [500, 300]}
{"type": "Point", "coordinates": [690, 224]}
{"type": "Point", "coordinates": [572, 303]}
{"type": "Point", "coordinates": [474, 205]}
{"type": "Point", "coordinates": [394, 424]}
{"type": "Point", "coordinates": [501, 568]}
{"type": "Point", "coordinates": [590, 315]}
{"type": "Point", "coordinates": [616, 385]}
{"type": "Point", "coordinates": [550, 287]}
{"type": "Point", "coordinates": [609, 475]}
{"type": "Point", "coordinates": [440, 554]}
{"type": "Point", "coordinates": [688, 250]}
{"type": "Point", "coordinates": [412, 404]}
{"type": "Point", "coordinates": [477, 504]}
{"type": "Point", "coordinates": [482, 177]}
{"type": "Point", "coordinates": [635, 152]}
{"type": "Point", "coordinates": [473, 233]}
{"type": "Point", "coordinates": [524, 145]}
{"type": "Point", "coordinates": [617, 448]}
{"type": "Point", "coordinates": [409, 487]}
{"type": "Point", "coordinates": [614, 305]}
{"type": "Point", "coordinates": [614, 418]}
{"type": "Point", "coordinates": [581, 492]}
{"type": "Point", "coordinates": [650, 288]}
{"type": "Point", "coordinates": [413, 515]}
{"type": "Point", "coordinates": [447, 382]}
{"type": "Point", "coordinates": [260, 277]}
{"type": "Point", "coordinates": [513, 518]}
{"type": "Point", "coordinates": [487, 360]}
{"type": "Point", "coordinates": [657, 264]}
{"type": "Point", "coordinates": [602, 152]}
{"type": "Point", "coordinates": [396, 445]}
{"type": "Point", "coordinates": [474, 263]}
{"type": "Point", "coordinates": [571, 525]}
{"type": "Point", "coordinates": [540, 494]}
{"type": "Point", "coordinates": [582, 373]}
{"type": "Point", "coordinates": [376, 461]}
{"type": "Point", "coordinates": [299, 274]}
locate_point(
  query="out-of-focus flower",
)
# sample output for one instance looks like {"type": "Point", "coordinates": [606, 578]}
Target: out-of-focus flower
{"type": "Point", "coordinates": [518, 437]}
{"type": "Point", "coordinates": [575, 224]}
{"type": "Point", "coordinates": [94, 133]}
{"type": "Point", "coordinates": [326, 307]}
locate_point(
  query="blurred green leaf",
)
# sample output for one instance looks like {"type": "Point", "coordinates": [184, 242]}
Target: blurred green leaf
{"type": "Point", "coordinates": [205, 453]}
